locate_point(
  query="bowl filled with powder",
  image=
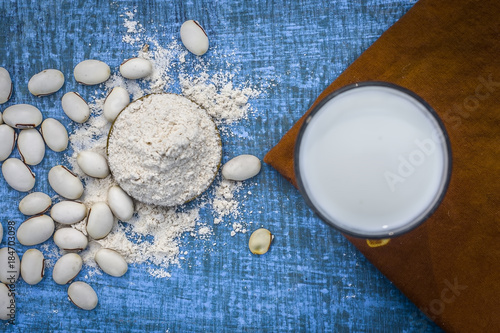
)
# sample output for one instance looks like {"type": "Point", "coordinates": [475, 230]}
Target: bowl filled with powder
{"type": "Point", "coordinates": [164, 149]}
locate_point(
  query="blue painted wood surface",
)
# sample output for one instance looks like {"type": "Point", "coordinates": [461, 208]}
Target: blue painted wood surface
{"type": "Point", "coordinates": [312, 279]}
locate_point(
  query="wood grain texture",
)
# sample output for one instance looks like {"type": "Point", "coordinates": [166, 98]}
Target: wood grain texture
{"type": "Point", "coordinates": [312, 279]}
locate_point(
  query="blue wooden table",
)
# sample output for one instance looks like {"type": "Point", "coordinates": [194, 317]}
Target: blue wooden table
{"type": "Point", "coordinates": [312, 279]}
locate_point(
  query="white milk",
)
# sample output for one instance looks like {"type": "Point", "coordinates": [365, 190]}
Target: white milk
{"type": "Point", "coordinates": [373, 161]}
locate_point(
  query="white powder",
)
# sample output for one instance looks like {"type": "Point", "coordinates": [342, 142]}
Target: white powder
{"type": "Point", "coordinates": [153, 235]}
{"type": "Point", "coordinates": [164, 150]}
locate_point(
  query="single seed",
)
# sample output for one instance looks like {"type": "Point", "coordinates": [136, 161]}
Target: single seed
{"type": "Point", "coordinates": [5, 86]}
{"type": "Point", "coordinates": [7, 141]}
{"type": "Point", "coordinates": [121, 203]}
{"type": "Point", "coordinates": [70, 239]}
{"type": "Point", "coordinates": [90, 72]}
{"type": "Point", "coordinates": [46, 82]}
{"type": "Point", "coordinates": [35, 203]}
{"type": "Point", "coordinates": [111, 262]}
{"type": "Point", "coordinates": [31, 146]}
{"type": "Point", "coordinates": [136, 68]}
{"type": "Point", "coordinates": [67, 268]}
{"type": "Point", "coordinates": [68, 212]}
{"type": "Point", "coordinates": [260, 241]}
{"type": "Point", "coordinates": [93, 164]}
{"type": "Point", "coordinates": [32, 266]}
{"type": "Point", "coordinates": [241, 168]}
{"type": "Point", "coordinates": [194, 37]}
{"type": "Point", "coordinates": [22, 116]}
{"type": "Point", "coordinates": [82, 295]}
{"type": "Point", "coordinates": [115, 102]}
{"type": "Point", "coordinates": [100, 220]}
{"type": "Point", "coordinates": [35, 230]}
{"type": "Point", "coordinates": [18, 175]}
{"type": "Point", "coordinates": [75, 107]}
{"type": "Point", "coordinates": [65, 182]}
{"type": "Point", "coordinates": [54, 134]}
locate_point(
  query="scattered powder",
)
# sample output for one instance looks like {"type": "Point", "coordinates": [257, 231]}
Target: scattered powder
{"type": "Point", "coordinates": [153, 235]}
{"type": "Point", "coordinates": [164, 150]}
{"type": "Point", "coordinates": [218, 96]}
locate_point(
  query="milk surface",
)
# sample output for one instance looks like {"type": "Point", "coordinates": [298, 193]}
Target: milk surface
{"type": "Point", "coordinates": [373, 160]}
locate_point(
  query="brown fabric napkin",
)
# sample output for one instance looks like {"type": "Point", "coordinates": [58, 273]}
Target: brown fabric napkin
{"type": "Point", "coordinates": [448, 52]}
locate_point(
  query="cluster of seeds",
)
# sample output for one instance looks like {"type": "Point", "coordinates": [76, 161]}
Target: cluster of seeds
{"type": "Point", "coordinates": [19, 124]}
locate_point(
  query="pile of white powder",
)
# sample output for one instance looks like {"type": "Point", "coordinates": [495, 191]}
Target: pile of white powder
{"type": "Point", "coordinates": [153, 235]}
{"type": "Point", "coordinates": [164, 150]}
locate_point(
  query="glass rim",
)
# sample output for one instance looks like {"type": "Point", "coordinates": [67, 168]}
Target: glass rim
{"type": "Point", "coordinates": [412, 224]}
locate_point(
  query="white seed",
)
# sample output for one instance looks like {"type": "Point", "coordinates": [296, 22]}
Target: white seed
{"type": "Point", "coordinates": [31, 146]}
{"type": "Point", "coordinates": [10, 265]}
{"type": "Point", "coordinates": [70, 239]}
{"type": "Point", "coordinates": [35, 203]}
{"type": "Point", "coordinates": [22, 116]}
{"type": "Point", "coordinates": [75, 107]}
{"type": "Point", "coordinates": [18, 175]}
{"type": "Point", "coordinates": [7, 303]}
{"type": "Point", "coordinates": [100, 220]}
{"type": "Point", "coordinates": [260, 241]}
{"type": "Point", "coordinates": [65, 182]}
{"type": "Point", "coordinates": [115, 102]}
{"type": "Point", "coordinates": [32, 266]}
{"type": "Point", "coordinates": [68, 212]}
{"type": "Point", "coordinates": [82, 295]}
{"type": "Point", "coordinates": [111, 262]}
{"type": "Point", "coordinates": [5, 85]}
{"type": "Point", "coordinates": [136, 68]}
{"type": "Point", "coordinates": [67, 268]}
{"type": "Point", "coordinates": [241, 168]}
{"type": "Point", "coordinates": [194, 37]}
{"type": "Point", "coordinates": [121, 203]}
{"type": "Point", "coordinates": [7, 141]}
{"type": "Point", "coordinates": [93, 164]}
{"type": "Point", "coordinates": [54, 134]}
{"type": "Point", "coordinates": [46, 82]}
{"type": "Point", "coordinates": [35, 230]}
{"type": "Point", "coordinates": [90, 72]}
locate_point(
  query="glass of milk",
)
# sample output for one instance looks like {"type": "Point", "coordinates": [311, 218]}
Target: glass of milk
{"type": "Point", "coordinates": [373, 160]}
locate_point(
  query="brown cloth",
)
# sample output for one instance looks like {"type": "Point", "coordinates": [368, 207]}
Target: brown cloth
{"type": "Point", "coordinates": [448, 52]}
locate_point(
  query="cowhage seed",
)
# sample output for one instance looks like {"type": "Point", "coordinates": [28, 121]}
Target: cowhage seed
{"type": "Point", "coordinates": [54, 134]}
{"type": "Point", "coordinates": [67, 268]}
{"type": "Point", "coordinates": [90, 72]}
{"type": "Point", "coordinates": [75, 107]}
{"type": "Point", "coordinates": [82, 295]}
{"type": "Point", "coordinates": [35, 230]}
{"type": "Point", "coordinates": [32, 266]}
{"type": "Point", "coordinates": [65, 182]}
{"type": "Point", "coordinates": [46, 82]}
{"type": "Point", "coordinates": [35, 203]}
{"type": "Point", "coordinates": [18, 175]}
{"type": "Point", "coordinates": [22, 116]}
{"type": "Point", "coordinates": [5, 85]}
{"type": "Point", "coordinates": [7, 141]}
{"type": "Point", "coordinates": [31, 146]}
{"type": "Point", "coordinates": [194, 37]}
{"type": "Point", "coordinates": [116, 101]}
